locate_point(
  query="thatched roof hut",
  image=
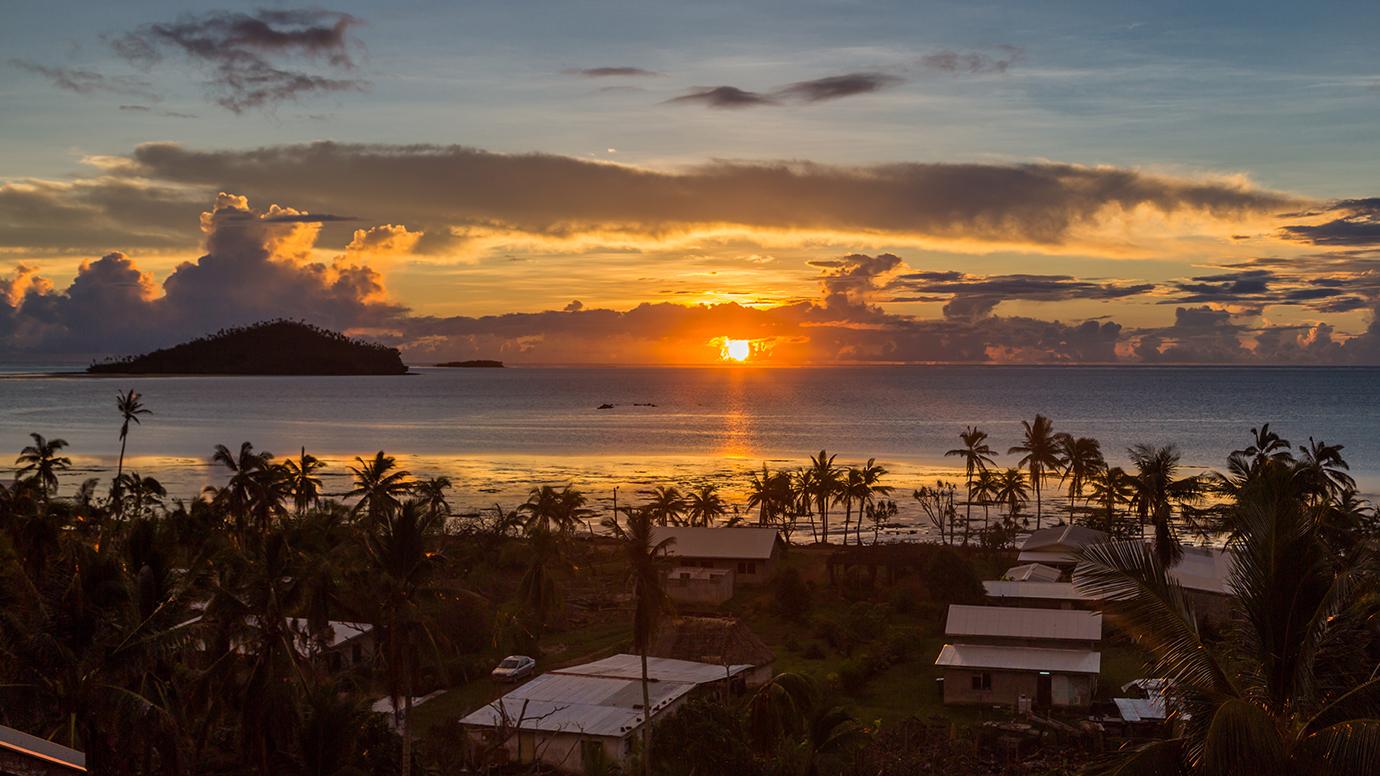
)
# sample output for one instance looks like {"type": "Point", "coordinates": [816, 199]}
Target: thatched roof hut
{"type": "Point", "coordinates": [717, 640]}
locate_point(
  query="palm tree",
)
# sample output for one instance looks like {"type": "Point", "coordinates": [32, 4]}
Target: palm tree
{"type": "Point", "coordinates": [1157, 489]}
{"type": "Point", "coordinates": [130, 408]}
{"type": "Point", "coordinates": [1011, 491]}
{"type": "Point", "coordinates": [144, 494]}
{"type": "Point", "coordinates": [538, 590]}
{"type": "Point", "coordinates": [851, 490]}
{"type": "Point", "coordinates": [379, 485]}
{"type": "Point", "coordinates": [977, 456]}
{"type": "Point", "coordinates": [1265, 446]}
{"type": "Point", "coordinates": [398, 550]}
{"type": "Point", "coordinates": [1321, 472]}
{"type": "Point", "coordinates": [705, 506]}
{"type": "Point", "coordinates": [1040, 455]}
{"type": "Point", "coordinates": [645, 556]}
{"type": "Point", "coordinates": [985, 489]}
{"type": "Point", "coordinates": [770, 494]}
{"type": "Point", "coordinates": [303, 483]}
{"type": "Point", "coordinates": [42, 463]}
{"type": "Point", "coordinates": [823, 482]}
{"type": "Point", "coordinates": [666, 504]}
{"type": "Point", "coordinates": [872, 487]}
{"type": "Point", "coordinates": [1111, 487]}
{"type": "Point", "coordinates": [550, 509]}
{"type": "Point", "coordinates": [247, 470]}
{"type": "Point", "coordinates": [431, 491]}
{"type": "Point", "coordinates": [1082, 459]}
{"type": "Point", "coordinates": [1290, 688]}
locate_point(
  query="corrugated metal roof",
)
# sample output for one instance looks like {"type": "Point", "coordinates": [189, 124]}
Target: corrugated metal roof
{"type": "Point", "coordinates": [662, 669]}
{"type": "Point", "coordinates": [1141, 709]}
{"type": "Point", "coordinates": [1022, 623]}
{"type": "Point", "coordinates": [603, 698]}
{"type": "Point", "coordinates": [340, 632]}
{"type": "Point", "coordinates": [1063, 537]}
{"type": "Point", "coordinates": [1032, 572]}
{"type": "Point", "coordinates": [1063, 661]}
{"type": "Point", "coordinates": [1060, 591]}
{"type": "Point", "coordinates": [1206, 569]}
{"type": "Point", "coordinates": [727, 543]}
{"type": "Point", "coordinates": [41, 749]}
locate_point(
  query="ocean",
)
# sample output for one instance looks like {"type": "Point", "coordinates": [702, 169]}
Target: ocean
{"type": "Point", "coordinates": [498, 432]}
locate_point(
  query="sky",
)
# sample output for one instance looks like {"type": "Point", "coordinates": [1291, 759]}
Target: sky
{"type": "Point", "coordinates": [608, 182]}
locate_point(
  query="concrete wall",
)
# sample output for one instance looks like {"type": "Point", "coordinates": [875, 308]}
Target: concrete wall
{"type": "Point", "coordinates": [1066, 690]}
{"type": "Point", "coordinates": [745, 572]}
{"type": "Point", "coordinates": [699, 591]}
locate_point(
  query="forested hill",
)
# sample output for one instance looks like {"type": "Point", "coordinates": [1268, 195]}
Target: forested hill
{"type": "Point", "coordinates": [267, 348]}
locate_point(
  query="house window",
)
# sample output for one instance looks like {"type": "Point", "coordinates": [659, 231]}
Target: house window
{"type": "Point", "coordinates": [747, 567]}
{"type": "Point", "coordinates": [982, 681]}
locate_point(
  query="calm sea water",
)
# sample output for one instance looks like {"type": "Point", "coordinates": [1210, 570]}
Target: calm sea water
{"type": "Point", "coordinates": [499, 431]}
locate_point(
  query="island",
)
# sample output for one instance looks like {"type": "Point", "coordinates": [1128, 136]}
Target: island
{"type": "Point", "coordinates": [478, 363]}
{"type": "Point", "coordinates": [278, 347]}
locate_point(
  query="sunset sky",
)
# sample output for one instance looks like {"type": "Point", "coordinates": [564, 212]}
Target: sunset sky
{"type": "Point", "coordinates": [636, 182]}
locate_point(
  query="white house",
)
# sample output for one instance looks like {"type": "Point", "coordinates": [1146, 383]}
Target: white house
{"type": "Point", "coordinates": [1058, 545]}
{"type": "Point", "coordinates": [1003, 655]}
{"type": "Point", "coordinates": [575, 717]}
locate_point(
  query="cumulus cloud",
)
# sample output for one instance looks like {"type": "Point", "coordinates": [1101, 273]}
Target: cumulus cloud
{"type": "Point", "coordinates": [248, 55]}
{"type": "Point", "coordinates": [257, 265]}
{"type": "Point", "coordinates": [611, 72]}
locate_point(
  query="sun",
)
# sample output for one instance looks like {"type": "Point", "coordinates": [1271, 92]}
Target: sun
{"type": "Point", "coordinates": [735, 350]}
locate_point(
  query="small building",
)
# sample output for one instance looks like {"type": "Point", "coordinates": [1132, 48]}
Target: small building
{"type": "Point", "coordinates": [24, 755]}
{"type": "Point", "coordinates": [1015, 626]}
{"type": "Point", "coordinates": [1037, 595]}
{"type": "Point", "coordinates": [1059, 545]}
{"type": "Point", "coordinates": [750, 553]}
{"type": "Point", "coordinates": [1205, 575]}
{"type": "Point", "coordinates": [577, 718]}
{"type": "Point", "coordinates": [1007, 676]}
{"type": "Point", "coordinates": [1032, 572]}
{"type": "Point", "coordinates": [341, 645]}
{"type": "Point", "coordinates": [716, 640]}
{"type": "Point", "coordinates": [692, 587]}
{"type": "Point", "coordinates": [1020, 656]}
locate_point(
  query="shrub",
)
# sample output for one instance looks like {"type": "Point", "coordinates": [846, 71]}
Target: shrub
{"type": "Point", "coordinates": [866, 621]}
{"type": "Point", "coordinates": [704, 736]}
{"type": "Point", "coordinates": [853, 674]}
{"type": "Point", "coordinates": [792, 595]}
{"type": "Point", "coordinates": [813, 652]}
{"type": "Point", "coordinates": [950, 579]}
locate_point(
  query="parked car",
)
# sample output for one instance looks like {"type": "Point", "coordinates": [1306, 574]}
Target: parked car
{"type": "Point", "coordinates": [513, 668]}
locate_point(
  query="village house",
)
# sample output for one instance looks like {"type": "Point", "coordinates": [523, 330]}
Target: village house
{"type": "Point", "coordinates": [1059, 545]}
{"type": "Point", "coordinates": [1020, 657]}
{"type": "Point", "coordinates": [750, 553]}
{"type": "Point", "coordinates": [716, 640]}
{"type": "Point", "coordinates": [1032, 572]}
{"type": "Point", "coordinates": [341, 645]}
{"type": "Point", "coordinates": [693, 588]}
{"type": "Point", "coordinates": [584, 718]}
{"type": "Point", "coordinates": [1037, 595]}
{"type": "Point", "coordinates": [24, 755]}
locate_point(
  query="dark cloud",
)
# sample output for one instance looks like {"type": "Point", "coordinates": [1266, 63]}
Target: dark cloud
{"type": "Point", "coordinates": [972, 62]}
{"type": "Point", "coordinates": [977, 296]}
{"type": "Point", "coordinates": [553, 195]}
{"type": "Point", "coordinates": [611, 72]}
{"type": "Point", "coordinates": [245, 51]}
{"type": "Point", "coordinates": [1317, 283]}
{"type": "Point", "coordinates": [723, 97]}
{"type": "Point", "coordinates": [148, 109]}
{"type": "Point", "coordinates": [1357, 225]}
{"type": "Point", "coordinates": [836, 87]}
{"type": "Point", "coordinates": [85, 81]}
{"type": "Point", "coordinates": [832, 87]}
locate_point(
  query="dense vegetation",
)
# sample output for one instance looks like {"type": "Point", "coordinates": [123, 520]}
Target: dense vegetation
{"type": "Point", "coordinates": [267, 348]}
{"type": "Point", "coordinates": [155, 633]}
{"type": "Point", "coordinates": [474, 364]}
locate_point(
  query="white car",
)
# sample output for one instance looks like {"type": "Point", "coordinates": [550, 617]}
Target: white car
{"type": "Point", "coordinates": [513, 668]}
